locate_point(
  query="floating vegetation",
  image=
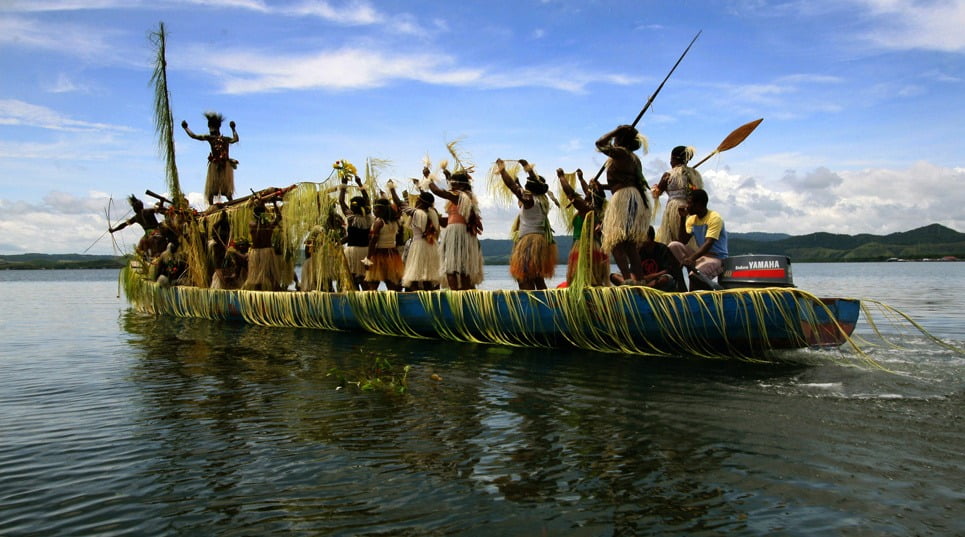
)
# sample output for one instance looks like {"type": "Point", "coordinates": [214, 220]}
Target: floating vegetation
{"type": "Point", "coordinates": [381, 376]}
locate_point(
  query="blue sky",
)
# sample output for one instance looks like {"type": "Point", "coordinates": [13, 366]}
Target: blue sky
{"type": "Point", "coordinates": [862, 101]}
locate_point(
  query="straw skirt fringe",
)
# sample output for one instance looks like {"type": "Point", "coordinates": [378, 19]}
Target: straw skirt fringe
{"type": "Point", "coordinates": [533, 257]}
{"type": "Point", "coordinates": [461, 252]}
{"type": "Point", "coordinates": [626, 219]}
{"type": "Point", "coordinates": [354, 256]}
{"type": "Point", "coordinates": [220, 180]}
{"type": "Point", "coordinates": [264, 270]}
{"type": "Point", "coordinates": [421, 263]}
{"type": "Point", "coordinates": [599, 264]}
{"type": "Point", "coordinates": [323, 268]}
{"type": "Point", "coordinates": [386, 266]}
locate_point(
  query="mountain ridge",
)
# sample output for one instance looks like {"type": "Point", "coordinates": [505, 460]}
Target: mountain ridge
{"type": "Point", "coordinates": [933, 241]}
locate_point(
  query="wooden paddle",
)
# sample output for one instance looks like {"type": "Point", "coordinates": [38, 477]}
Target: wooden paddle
{"type": "Point", "coordinates": [734, 139]}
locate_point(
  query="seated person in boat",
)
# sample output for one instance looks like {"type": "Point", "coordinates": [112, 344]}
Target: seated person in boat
{"type": "Point", "coordinates": [707, 229]}
{"type": "Point", "coordinates": [589, 209]}
{"type": "Point", "coordinates": [264, 265]}
{"type": "Point", "coordinates": [383, 261]}
{"type": "Point", "coordinates": [660, 268]}
{"type": "Point", "coordinates": [534, 252]}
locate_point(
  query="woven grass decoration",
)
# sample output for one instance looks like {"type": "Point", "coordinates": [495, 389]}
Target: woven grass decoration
{"type": "Point", "coordinates": [624, 320]}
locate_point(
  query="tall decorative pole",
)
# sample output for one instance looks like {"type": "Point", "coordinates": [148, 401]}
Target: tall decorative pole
{"type": "Point", "coordinates": [163, 120]}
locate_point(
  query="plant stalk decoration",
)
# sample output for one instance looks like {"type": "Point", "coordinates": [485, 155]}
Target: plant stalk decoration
{"type": "Point", "coordinates": [163, 119]}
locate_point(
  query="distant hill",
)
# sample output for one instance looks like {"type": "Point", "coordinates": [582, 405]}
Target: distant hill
{"type": "Point", "coordinates": [930, 242]}
{"type": "Point", "coordinates": [59, 261]}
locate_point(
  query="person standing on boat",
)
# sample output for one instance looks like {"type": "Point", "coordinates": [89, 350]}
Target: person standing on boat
{"type": "Point", "coordinates": [590, 203]}
{"type": "Point", "coordinates": [460, 251]}
{"type": "Point", "coordinates": [221, 169]}
{"type": "Point", "coordinates": [153, 243]}
{"type": "Point", "coordinates": [383, 261]}
{"type": "Point", "coordinates": [360, 222]}
{"type": "Point", "coordinates": [534, 252]}
{"type": "Point", "coordinates": [628, 215]}
{"type": "Point", "coordinates": [218, 250]}
{"type": "Point", "coordinates": [422, 264]}
{"type": "Point", "coordinates": [707, 229]}
{"type": "Point", "coordinates": [235, 270]}
{"type": "Point", "coordinates": [264, 266]}
{"type": "Point", "coordinates": [324, 256]}
{"type": "Point", "coordinates": [677, 183]}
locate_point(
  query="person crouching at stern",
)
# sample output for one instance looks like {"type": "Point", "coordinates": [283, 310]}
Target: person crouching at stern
{"type": "Point", "coordinates": [707, 229]}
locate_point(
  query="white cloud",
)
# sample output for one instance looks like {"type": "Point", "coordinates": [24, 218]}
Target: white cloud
{"type": "Point", "coordinates": [256, 72]}
{"type": "Point", "coordinates": [68, 39]}
{"type": "Point", "coordinates": [22, 114]}
{"type": "Point", "coordinates": [913, 24]}
{"type": "Point", "coordinates": [873, 200]}
{"type": "Point", "coordinates": [350, 13]}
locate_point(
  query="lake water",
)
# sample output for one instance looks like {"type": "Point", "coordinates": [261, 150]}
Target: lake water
{"type": "Point", "coordinates": [117, 423]}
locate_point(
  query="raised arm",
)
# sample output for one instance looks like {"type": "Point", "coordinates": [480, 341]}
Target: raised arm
{"type": "Point", "coordinates": [184, 125]}
{"type": "Point", "coordinates": [445, 194]}
{"type": "Point", "coordinates": [365, 193]}
{"type": "Point", "coordinates": [234, 133]}
{"type": "Point", "coordinates": [575, 199]}
{"type": "Point", "coordinates": [512, 184]}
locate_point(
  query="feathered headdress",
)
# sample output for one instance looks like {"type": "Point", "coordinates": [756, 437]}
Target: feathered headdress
{"type": "Point", "coordinates": [214, 119]}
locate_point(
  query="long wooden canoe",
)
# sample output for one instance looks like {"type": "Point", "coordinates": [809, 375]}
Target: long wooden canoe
{"type": "Point", "coordinates": [744, 323]}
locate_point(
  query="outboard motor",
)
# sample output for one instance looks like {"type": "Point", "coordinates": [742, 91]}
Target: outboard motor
{"type": "Point", "coordinates": [756, 271]}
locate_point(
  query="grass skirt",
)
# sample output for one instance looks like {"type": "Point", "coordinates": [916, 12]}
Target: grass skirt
{"type": "Point", "coordinates": [626, 218]}
{"type": "Point", "coordinates": [460, 251]}
{"type": "Point", "coordinates": [354, 256]}
{"type": "Point", "coordinates": [533, 257]}
{"type": "Point", "coordinates": [220, 180]}
{"type": "Point", "coordinates": [421, 263]}
{"type": "Point", "coordinates": [386, 266]}
{"type": "Point", "coordinates": [671, 225]}
{"type": "Point", "coordinates": [600, 265]}
{"type": "Point", "coordinates": [323, 269]}
{"type": "Point", "coordinates": [264, 270]}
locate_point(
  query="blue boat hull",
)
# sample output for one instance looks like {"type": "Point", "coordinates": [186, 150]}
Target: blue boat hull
{"type": "Point", "coordinates": [633, 320]}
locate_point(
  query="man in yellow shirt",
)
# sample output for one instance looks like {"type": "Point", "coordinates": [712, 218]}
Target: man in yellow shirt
{"type": "Point", "coordinates": [707, 229]}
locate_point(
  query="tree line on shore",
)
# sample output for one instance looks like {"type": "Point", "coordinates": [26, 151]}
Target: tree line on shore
{"type": "Point", "coordinates": [930, 242]}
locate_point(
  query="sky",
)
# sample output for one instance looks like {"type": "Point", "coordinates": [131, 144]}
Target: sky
{"type": "Point", "coordinates": [863, 102]}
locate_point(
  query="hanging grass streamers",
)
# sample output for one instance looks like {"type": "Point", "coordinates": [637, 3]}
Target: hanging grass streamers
{"type": "Point", "coordinates": [745, 324]}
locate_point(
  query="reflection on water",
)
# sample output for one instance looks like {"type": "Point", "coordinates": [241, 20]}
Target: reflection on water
{"type": "Point", "coordinates": [511, 440]}
{"type": "Point", "coordinates": [125, 424]}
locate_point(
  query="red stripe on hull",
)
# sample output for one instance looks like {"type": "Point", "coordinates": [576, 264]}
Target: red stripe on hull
{"type": "Point", "coordinates": [759, 273]}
